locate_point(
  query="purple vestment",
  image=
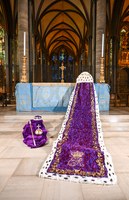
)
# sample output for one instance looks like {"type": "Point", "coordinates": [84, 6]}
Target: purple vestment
{"type": "Point", "coordinates": [34, 133]}
{"type": "Point", "coordinates": [79, 153]}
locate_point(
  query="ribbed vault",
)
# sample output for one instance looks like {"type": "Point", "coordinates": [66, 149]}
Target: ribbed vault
{"type": "Point", "coordinates": [62, 24]}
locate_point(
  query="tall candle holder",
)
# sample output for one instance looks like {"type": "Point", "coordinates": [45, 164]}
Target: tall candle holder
{"type": "Point", "coordinates": [24, 78]}
{"type": "Point", "coordinates": [102, 80]}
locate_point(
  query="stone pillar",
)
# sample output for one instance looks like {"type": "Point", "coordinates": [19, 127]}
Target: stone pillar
{"type": "Point", "coordinates": [90, 54]}
{"type": "Point", "coordinates": [31, 42]}
{"type": "Point", "coordinates": [43, 65]}
{"type": "Point", "coordinates": [100, 28]}
{"type": "Point", "coordinates": [7, 62]}
{"type": "Point", "coordinates": [93, 70]}
{"type": "Point", "coordinates": [76, 69]}
{"type": "Point", "coordinates": [34, 57]}
{"type": "Point", "coordinates": [23, 27]}
{"type": "Point", "coordinates": [114, 63]}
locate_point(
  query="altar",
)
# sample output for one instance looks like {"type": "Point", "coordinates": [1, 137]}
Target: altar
{"type": "Point", "coordinates": [54, 97]}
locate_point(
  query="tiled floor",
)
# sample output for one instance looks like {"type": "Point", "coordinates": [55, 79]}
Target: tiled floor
{"type": "Point", "coordinates": [19, 165]}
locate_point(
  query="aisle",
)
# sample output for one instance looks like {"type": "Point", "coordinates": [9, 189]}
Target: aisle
{"type": "Point", "coordinates": [19, 165]}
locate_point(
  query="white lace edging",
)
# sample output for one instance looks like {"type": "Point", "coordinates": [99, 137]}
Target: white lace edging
{"type": "Point", "coordinates": [84, 77]}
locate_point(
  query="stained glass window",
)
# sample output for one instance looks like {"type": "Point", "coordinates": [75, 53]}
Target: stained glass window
{"type": "Point", "coordinates": [2, 59]}
{"type": "Point", "coordinates": [56, 62]}
{"type": "Point", "coordinates": [2, 45]}
{"type": "Point", "coordinates": [124, 48]}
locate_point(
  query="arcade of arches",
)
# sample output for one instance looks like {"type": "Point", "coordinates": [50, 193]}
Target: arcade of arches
{"type": "Point", "coordinates": [65, 31]}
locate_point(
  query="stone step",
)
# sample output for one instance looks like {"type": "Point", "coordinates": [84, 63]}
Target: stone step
{"type": "Point", "coordinates": [115, 124]}
{"type": "Point", "coordinates": [117, 128]}
{"type": "Point", "coordinates": [15, 125]}
{"type": "Point", "coordinates": [14, 121]}
{"type": "Point", "coordinates": [113, 134]}
{"type": "Point", "coordinates": [56, 116]}
{"type": "Point", "coordinates": [114, 118]}
{"type": "Point", "coordinates": [20, 118]}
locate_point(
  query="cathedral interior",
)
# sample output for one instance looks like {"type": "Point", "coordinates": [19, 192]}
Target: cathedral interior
{"type": "Point", "coordinates": [69, 32]}
{"type": "Point", "coordinates": [38, 37]}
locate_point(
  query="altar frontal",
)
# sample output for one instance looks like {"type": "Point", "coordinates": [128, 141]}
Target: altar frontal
{"type": "Point", "coordinates": [79, 153]}
{"type": "Point", "coordinates": [54, 96]}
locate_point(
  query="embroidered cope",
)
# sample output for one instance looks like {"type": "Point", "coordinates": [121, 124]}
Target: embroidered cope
{"type": "Point", "coordinates": [79, 153]}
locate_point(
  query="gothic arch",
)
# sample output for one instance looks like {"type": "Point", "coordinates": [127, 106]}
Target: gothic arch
{"type": "Point", "coordinates": [56, 25]}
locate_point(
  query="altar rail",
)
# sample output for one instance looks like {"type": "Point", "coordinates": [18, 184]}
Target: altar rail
{"type": "Point", "coordinates": [54, 96]}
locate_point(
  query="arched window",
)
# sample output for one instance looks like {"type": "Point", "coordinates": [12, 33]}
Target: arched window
{"type": "Point", "coordinates": [2, 45]}
{"type": "Point", "coordinates": [124, 48]}
{"type": "Point", "coordinates": [56, 61]}
{"type": "Point", "coordinates": [2, 60]}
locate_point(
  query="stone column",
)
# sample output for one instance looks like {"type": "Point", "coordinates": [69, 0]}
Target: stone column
{"type": "Point", "coordinates": [93, 70]}
{"type": "Point", "coordinates": [114, 63]}
{"type": "Point", "coordinates": [76, 68]}
{"type": "Point", "coordinates": [90, 54]}
{"type": "Point", "coordinates": [7, 62]}
{"type": "Point", "coordinates": [43, 66]}
{"type": "Point", "coordinates": [34, 57]}
{"type": "Point", "coordinates": [23, 27]}
{"type": "Point", "coordinates": [100, 28]}
{"type": "Point", "coordinates": [31, 42]}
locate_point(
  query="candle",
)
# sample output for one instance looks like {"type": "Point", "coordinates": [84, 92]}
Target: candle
{"type": "Point", "coordinates": [103, 45]}
{"type": "Point", "coordinates": [24, 44]}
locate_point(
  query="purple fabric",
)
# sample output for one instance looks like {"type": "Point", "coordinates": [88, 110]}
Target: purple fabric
{"type": "Point", "coordinates": [79, 151]}
{"type": "Point", "coordinates": [34, 140]}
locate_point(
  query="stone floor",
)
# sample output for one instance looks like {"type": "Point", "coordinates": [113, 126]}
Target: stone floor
{"type": "Point", "coordinates": [19, 165]}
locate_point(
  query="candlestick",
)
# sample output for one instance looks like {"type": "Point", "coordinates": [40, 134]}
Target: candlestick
{"type": "Point", "coordinates": [24, 43]}
{"type": "Point", "coordinates": [24, 70]}
{"type": "Point", "coordinates": [103, 45]}
{"type": "Point", "coordinates": [102, 80]}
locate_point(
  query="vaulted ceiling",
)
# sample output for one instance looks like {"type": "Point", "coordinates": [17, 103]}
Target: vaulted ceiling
{"type": "Point", "coordinates": [62, 23]}
{"type": "Point", "coordinates": [117, 14]}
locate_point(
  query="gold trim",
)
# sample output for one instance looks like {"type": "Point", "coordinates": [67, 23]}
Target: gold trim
{"type": "Point", "coordinates": [53, 167]}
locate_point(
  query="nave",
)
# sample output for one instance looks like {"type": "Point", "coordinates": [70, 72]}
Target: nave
{"type": "Point", "coordinates": [20, 165]}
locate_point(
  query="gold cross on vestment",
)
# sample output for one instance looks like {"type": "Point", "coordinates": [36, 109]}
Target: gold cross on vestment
{"type": "Point", "coordinates": [62, 72]}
